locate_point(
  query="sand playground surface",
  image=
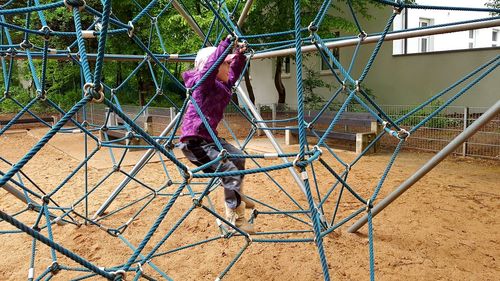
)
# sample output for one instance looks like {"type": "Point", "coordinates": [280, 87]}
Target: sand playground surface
{"type": "Point", "coordinates": [446, 227]}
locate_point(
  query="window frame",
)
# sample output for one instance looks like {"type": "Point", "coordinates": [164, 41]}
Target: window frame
{"type": "Point", "coordinates": [286, 67]}
{"type": "Point", "coordinates": [336, 54]}
{"type": "Point", "coordinates": [425, 22]}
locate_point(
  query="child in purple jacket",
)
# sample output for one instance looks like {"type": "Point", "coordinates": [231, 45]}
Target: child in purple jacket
{"type": "Point", "coordinates": [212, 97]}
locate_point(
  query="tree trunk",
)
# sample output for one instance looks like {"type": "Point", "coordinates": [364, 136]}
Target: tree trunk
{"type": "Point", "coordinates": [119, 76]}
{"type": "Point", "coordinates": [278, 83]}
{"type": "Point", "coordinates": [249, 86]}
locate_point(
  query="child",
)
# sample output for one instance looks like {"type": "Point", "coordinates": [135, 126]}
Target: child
{"type": "Point", "coordinates": [212, 97]}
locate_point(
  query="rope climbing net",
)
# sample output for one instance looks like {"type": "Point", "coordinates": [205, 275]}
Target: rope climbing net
{"type": "Point", "coordinates": [316, 211]}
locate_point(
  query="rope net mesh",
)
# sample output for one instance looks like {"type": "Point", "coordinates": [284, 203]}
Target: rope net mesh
{"type": "Point", "coordinates": [311, 207]}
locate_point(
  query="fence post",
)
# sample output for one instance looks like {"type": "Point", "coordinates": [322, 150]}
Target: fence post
{"type": "Point", "coordinates": [92, 113]}
{"type": "Point", "coordinates": [466, 121]}
{"type": "Point", "coordinates": [172, 113]}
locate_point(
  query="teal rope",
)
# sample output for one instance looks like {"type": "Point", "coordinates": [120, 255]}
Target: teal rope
{"type": "Point", "coordinates": [54, 245]}
{"type": "Point", "coordinates": [19, 165]}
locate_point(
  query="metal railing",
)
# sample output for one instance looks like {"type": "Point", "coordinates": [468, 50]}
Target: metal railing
{"type": "Point", "coordinates": [432, 136]}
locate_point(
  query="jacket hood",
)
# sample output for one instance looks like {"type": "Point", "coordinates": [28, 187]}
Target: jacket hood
{"type": "Point", "coordinates": [190, 78]}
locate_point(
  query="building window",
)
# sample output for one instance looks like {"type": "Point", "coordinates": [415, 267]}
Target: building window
{"type": "Point", "coordinates": [472, 39]}
{"type": "Point", "coordinates": [324, 65]}
{"type": "Point", "coordinates": [425, 42]}
{"type": "Point", "coordinates": [424, 45]}
{"type": "Point", "coordinates": [324, 68]}
{"type": "Point", "coordinates": [285, 66]}
{"type": "Point", "coordinates": [494, 37]}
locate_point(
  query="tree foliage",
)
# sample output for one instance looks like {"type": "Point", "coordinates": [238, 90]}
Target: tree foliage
{"type": "Point", "coordinates": [63, 77]}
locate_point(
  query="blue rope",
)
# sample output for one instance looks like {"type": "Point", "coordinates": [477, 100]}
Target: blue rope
{"type": "Point", "coordinates": [54, 245]}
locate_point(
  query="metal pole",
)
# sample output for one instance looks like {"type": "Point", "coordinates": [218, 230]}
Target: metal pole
{"type": "Point", "coordinates": [433, 162]}
{"type": "Point", "coordinates": [19, 195]}
{"type": "Point", "coordinates": [244, 13]}
{"type": "Point", "coordinates": [271, 138]}
{"type": "Point", "coordinates": [389, 37]}
{"type": "Point", "coordinates": [306, 49]}
{"type": "Point", "coordinates": [189, 19]}
{"type": "Point", "coordinates": [140, 164]}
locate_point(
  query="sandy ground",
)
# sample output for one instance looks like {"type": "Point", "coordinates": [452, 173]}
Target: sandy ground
{"type": "Point", "coordinates": [446, 227]}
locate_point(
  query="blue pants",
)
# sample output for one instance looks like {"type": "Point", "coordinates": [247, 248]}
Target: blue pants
{"type": "Point", "coordinates": [200, 152]}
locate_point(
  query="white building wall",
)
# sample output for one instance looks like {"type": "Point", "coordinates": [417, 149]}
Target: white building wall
{"type": "Point", "coordinates": [401, 79]}
{"type": "Point", "coordinates": [444, 42]}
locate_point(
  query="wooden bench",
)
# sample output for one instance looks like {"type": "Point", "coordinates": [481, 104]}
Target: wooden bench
{"type": "Point", "coordinates": [352, 127]}
{"type": "Point", "coordinates": [29, 122]}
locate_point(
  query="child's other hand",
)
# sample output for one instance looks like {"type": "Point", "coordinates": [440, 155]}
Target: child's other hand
{"type": "Point", "coordinates": [241, 47]}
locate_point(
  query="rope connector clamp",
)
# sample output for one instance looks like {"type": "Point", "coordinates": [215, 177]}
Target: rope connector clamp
{"type": "Point", "coordinates": [70, 4]}
{"type": "Point", "coordinates": [252, 52]}
{"type": "Point", "coordinates": [54, 268]}
{"type": "Point", "coordinates": [31, 206]}
{"type": "Point", "coordinates": [197, 203]}
{"type": "Point", "coordinates": [317, 148]}
{"type": "Point", "coordinates": [369, 205]}
{"type": "Point", "coordinates": [169, 145]}
{"type": "Point", "coordinates": [139, 268]}
{"type": "Point", "coordinates": [46, 32]}
{"type": "Point", "coordinates": [25, 45]}
{"type": "Point", "coordinates": [46, 199]}
{"type": "Point", "coordinates": [129, 135]}
{"type": "Point", "coordinates": [358, 88]}
{"type": "Point", "coordinates": [97, 96]}
{"type": "Point", "coordinates": [397, 10]}
{"type": "Point", "coordinates": [313, 28]}
{"type": "Point", "coordinates": [114, 233]}
{"type": "Point", "coordinates": [130, 31]}
{"type": "Point", "coordinates": [295, 163]}
{"type": "Point", "coordinates": [223, 155]}
{"type": "Point", "coordinates": [42, 95]}
{"type": "Point", "coordinates": [188, 176]}
{"type": "Point", "coordinates": [362, 36]}
{"type": "Point", "coordinates": [119, 275]}
{"type": "Point", "coordinates": [403, 134]}
{"type": "Point", "coordinates": [189, 92]}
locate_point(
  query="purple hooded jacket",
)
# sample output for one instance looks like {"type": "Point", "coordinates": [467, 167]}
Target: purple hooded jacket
{"type": "Point", "coordinates": [212, 96]}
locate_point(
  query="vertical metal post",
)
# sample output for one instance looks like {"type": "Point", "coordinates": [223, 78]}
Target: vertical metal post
{"type": "Point", "coordinates": [466, 121]}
